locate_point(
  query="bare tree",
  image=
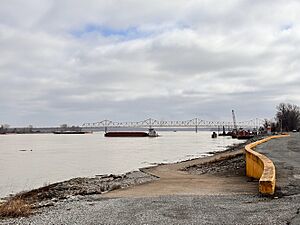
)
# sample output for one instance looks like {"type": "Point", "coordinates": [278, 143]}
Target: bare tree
{"type": "Point", "coordinates": [268, 123]}
{"type": "Point", "coordinates": [288, 116]}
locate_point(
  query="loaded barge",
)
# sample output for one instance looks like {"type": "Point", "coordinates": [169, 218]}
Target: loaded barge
{"type": "Point", "coordinates": [151, 133]}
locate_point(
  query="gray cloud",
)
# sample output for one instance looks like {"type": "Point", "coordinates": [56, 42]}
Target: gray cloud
{"type": "Point", "coordinates": [70, 61]}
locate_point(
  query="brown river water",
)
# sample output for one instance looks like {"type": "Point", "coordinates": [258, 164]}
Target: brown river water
{"type": "Point", "coordinates": [32, 160]}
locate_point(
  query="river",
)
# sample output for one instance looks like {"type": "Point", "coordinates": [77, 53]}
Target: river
{"type": "Point", "coordinates": [32, 160]}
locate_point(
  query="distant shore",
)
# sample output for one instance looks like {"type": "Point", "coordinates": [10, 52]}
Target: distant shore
{"type": "Point", "coordinates": [49, 130]}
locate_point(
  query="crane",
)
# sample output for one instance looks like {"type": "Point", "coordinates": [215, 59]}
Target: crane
{"type": "Point", "coordinates": [234, 121]}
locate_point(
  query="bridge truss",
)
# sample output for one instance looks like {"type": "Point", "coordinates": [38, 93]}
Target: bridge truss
{"type": "Point", "coordinates": [193, 123]}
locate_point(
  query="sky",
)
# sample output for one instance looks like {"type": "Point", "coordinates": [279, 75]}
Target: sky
{"type": "Point", "coordinates": [73, 61]}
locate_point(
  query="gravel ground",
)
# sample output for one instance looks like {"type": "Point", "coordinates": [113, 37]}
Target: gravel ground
{"type": "Point", "coordinates": [285, 154]}
{"type": "Point", "coordinates": [228, 209]}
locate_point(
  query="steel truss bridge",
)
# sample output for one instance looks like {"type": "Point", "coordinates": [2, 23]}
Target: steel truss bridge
{"type": "Point", "coordinates": [193, 123]}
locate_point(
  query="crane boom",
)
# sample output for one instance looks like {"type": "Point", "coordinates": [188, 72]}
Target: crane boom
{"type": "Point", "coordinates": [234, 120]}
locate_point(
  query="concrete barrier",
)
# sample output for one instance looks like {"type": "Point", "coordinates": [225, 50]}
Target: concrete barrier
{"type": "Point", "coordinates": [261, 167]}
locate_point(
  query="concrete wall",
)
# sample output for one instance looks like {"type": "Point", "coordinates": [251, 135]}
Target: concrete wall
{"type": "Point", "coordinates": [260, 167]}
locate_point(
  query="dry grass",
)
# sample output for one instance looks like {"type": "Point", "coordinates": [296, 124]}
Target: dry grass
{"type": "Point", "coordinates": [15, 208]}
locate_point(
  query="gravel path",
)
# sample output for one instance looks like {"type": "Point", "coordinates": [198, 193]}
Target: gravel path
{"type": "Point", "coordinates": [228, 209]}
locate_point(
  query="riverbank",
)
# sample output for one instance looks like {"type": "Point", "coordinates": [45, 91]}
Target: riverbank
{"type": "Point", "coordinates": [48, 158]}
{"type": "Point", "coordinates": [213, 206]}
{"type": "Point", "coordinates": [50, 195]}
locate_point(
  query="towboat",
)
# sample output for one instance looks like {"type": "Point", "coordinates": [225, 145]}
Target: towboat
{"type": "Point", "coordinates": [152, 133]}
{"type": "Point", "coordinates": [245, 137]}
{"type": "Point", "coordinates": [243, 134]}
{"type": "Point", "coordinates": [214, 135]}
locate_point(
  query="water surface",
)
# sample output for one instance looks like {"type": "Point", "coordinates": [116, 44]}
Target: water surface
{"type": "Point", "coordinates": [51, 158]}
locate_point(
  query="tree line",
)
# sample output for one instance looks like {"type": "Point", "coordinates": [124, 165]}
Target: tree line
{"type": "Point", "coordinates": [287, 118]}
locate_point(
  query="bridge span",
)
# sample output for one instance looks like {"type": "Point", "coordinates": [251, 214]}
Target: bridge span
{"type": "Point", "coordinates": [192, 123]}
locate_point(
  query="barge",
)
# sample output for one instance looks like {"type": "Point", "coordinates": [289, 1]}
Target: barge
{"type": "Point", "coordinates": [126, 134]}
{"type": "Point", "coordinates": [70, 132]}
{"type": "Point", "coordinates": [151, 133]}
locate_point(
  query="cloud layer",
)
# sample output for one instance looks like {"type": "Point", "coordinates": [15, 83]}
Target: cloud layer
{"type": "Point", "coordinates": [75, 62]}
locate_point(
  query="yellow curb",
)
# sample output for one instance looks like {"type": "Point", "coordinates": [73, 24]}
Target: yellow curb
{"type": "Point", "coordinates": [261, 167]}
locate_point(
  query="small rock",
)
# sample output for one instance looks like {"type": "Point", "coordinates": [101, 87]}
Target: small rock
{"type": "Point", "coordinates": [44, 204]}
{"type": "Point", "coordinates": [54, 200]}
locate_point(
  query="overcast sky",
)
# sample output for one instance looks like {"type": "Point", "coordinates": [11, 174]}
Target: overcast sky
{"type": "Point", "coordinates": [74, 61]}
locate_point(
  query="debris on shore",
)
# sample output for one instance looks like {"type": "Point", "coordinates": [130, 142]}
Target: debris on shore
{"type": "Point", "coordinates": [50, 194]}
{"type": "Point", "coordinates": [15, 208]}
{"type": "Point", "coordinates": [224, 167]}
{"type": "Point", "coordinates": [227, 167]}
